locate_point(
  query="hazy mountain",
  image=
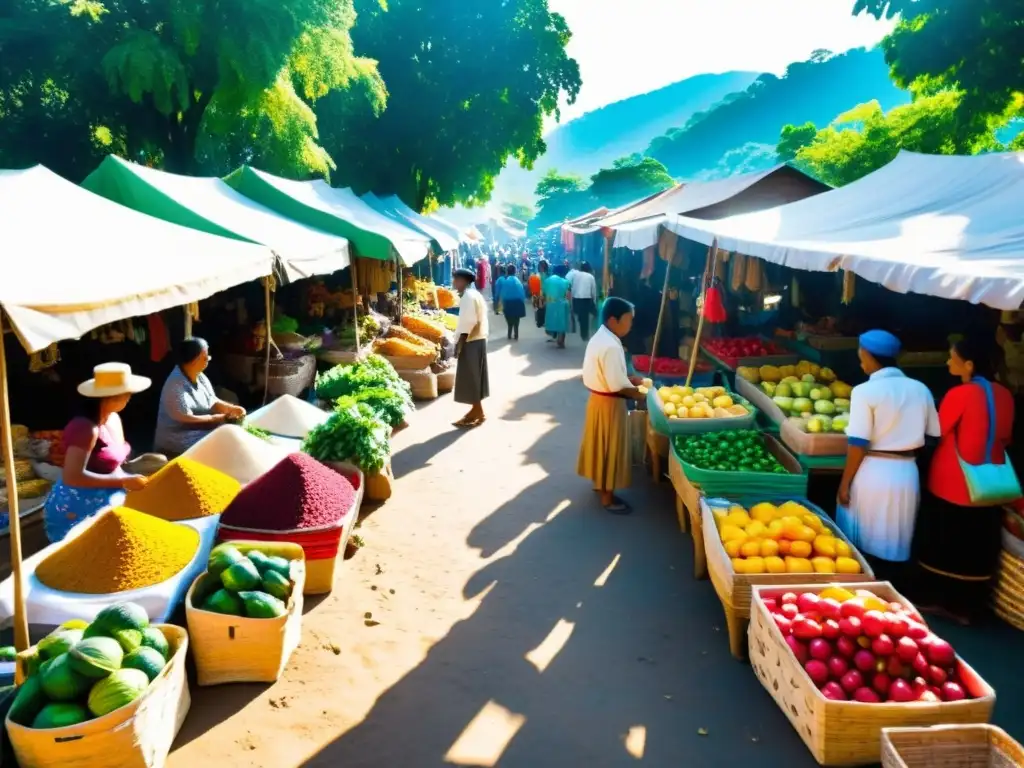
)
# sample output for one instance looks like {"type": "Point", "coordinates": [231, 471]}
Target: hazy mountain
{"type": "Point", "coordinates": [594, 140]}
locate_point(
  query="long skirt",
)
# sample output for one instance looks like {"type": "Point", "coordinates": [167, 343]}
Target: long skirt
{"type": "Point", "coordinates": [883, 507]}
{"type": "Point", "coordinates": [514, 309]}
{"type": "Point", "coordinates": [605, 458]}
{"type": "Point", "coordinates": [556, 316]}
{"type": "Point", "coordinates": [471, 382]}
{"type": "Point", "coordinates": [67, 506]}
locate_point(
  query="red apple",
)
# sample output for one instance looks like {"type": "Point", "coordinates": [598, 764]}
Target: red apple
{"type": "Point", "coordinates": [830, 629]}
{"type": "Point", "coordinates": [873, 623]}
{"type": "Point", "coordinates": [900, 691]}
{"type": "Point", "coordinates": [881, 682]}
{"type": "Point", "coordinates": [916, 630]}
{"type": "Point", "coordinates": [789, 610]}
{"type": "Point", "coordinates": [807, 602]}
{"type": "Point", "coordinates": [846, 646]}
{"type": "Point", "coordinates": [806, 629]}
{"type": "Point", "coordinates": [940, 652]}
{"type": "Point", "coordinates": [852, 680]}
{"type": "Point", "coordinates": [866, 696]}
{"type": "Point", "coordinates": [953, 692]}
{"type": "Point", "coordinates": [771, 604]}
{"type": "Point", "coordinates": [864, 661]}
{"type": "Point", "coordinates": [817, 671]}
{"type": "Point", "coordinates": [788, 598]}
{"type": "Point", "coordinates": [895, 667]}
{"type": "Point", "coordinates": [784, 624]}
{"type": "Point", "coordinates": [834, 691]}
{"type": "Point", "coordinates": [850, 626]}
{"type": "Point", "coordinates": [907, 649]}
{"type": "Point", "coordinates": [852, 608]}
{"type": "Point", "coordinates": [896, 626]}
{"type": "Point", "coordinates": [820, 649]}
{"type": "Point", "coordinates": [837, 666]}
{"type": "Point", "coordinates": [920, 664]}
{"type": "Point", "coordinates": [798, 648]}
{"type": "Point", "coordinates": [937, 675]}
{"type": "Point", "coordinates": [830, 608]}
{"type": "Point", "coordinates": [919, 685]}
{"type": "Point", "coordinates": [883, 646]}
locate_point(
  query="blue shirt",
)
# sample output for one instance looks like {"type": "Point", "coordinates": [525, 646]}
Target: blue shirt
{"type": "Point", "coordinates": [497, 287]}
{"type": "Point", "coordinates": [511, 289]}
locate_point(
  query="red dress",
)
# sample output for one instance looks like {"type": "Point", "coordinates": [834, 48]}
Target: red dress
{"type": "Point", "coordinates": [963, 417]}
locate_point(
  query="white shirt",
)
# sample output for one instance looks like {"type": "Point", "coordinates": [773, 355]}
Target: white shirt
{"type": "Point", "coordinates": [892, 412]}
{"type": "Point", "coordinates": [583, 286]}
{"type": "Point", "coordinates": [604, 364]}
{"type": "Point", "coordinates": [472, 316]}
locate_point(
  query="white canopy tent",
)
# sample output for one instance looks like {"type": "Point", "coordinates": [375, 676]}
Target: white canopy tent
{"type": "Point", "coordinates": [393, 207]}
{"type": "Point", "coordinates": [946, 226]}
{"type": "Point", "coordinates": [76, 261]}
{"type": "Point", "coordinates": [462, 235]}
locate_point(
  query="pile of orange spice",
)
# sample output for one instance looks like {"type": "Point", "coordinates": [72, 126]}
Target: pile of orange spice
{"type": "Point", "coordinates": [185, 490]}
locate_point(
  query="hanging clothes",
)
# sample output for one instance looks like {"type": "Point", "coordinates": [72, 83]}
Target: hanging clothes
{"type": "Point", "coordinates": [647, 269]}
{"type": "Point", "coordinates": [159, 337]}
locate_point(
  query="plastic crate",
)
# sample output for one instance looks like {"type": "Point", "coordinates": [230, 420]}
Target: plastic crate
{"type": "Point", "coordinates": [714, 482]}
{"type": "Point", "coordinates": [663, 425]}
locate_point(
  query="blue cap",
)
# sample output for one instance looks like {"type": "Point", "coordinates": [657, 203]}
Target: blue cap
{"type": "Point", "coordinates": [880, 343]}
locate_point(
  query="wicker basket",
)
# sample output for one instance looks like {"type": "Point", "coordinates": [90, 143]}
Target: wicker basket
{"type": "Point", "coordinates": [1008, 590]}
{"type": "Point", "coordinates": [950, 746]}
{"type": "Point", "coordinates": [446, 380]}
{"type": "Point", "coordinates": [406, 362]}
{"type": "Point", "coordinates": [734, 589]}
{"type": "Point", "coordinates": [422, 382]}
{"type": "Point", "coordinates": [289, 377]}
{"type": "Point", "coordinates": [847, 732]}
{"type": "Point", "coordinates": [236, 649]}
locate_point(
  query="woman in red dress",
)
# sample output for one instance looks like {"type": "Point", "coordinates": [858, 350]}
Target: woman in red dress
{"type": "Point", "coordinates": [958, 542]}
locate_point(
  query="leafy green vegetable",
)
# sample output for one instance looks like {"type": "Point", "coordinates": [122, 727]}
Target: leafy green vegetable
{"type": "Point", "coordinates": [393, 406]}
{"type": "Point", "coordinates": [372, 373]}
{"type": "Point", "coordinates": [255, 431]}
{"type": "Point", "coordinates": [354, 432]}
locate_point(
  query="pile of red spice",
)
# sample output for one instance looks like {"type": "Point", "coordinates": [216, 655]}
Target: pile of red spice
{"type": "Point", "coordinates": [297, 493]}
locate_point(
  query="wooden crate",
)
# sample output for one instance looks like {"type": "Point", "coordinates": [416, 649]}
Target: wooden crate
{"type": "Point", "coordinates": [950, 746]}
{"type": "Point", "coordinates": [734, 589]}
{"type": "Point", "coordinates": [657, 449]}
{"type": "Point", "coordinates": [688, 511]}
{"type": "Point", "coordinates": [847, 732]}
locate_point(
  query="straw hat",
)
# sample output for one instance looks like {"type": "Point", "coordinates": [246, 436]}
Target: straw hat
{"type": "Point", "coordinates": [112, 379]}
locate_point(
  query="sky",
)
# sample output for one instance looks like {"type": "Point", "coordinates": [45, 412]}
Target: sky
{"type": "Point", "coordinates": [626, 47]}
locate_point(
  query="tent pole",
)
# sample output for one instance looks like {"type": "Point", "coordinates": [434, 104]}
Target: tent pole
{"type": "Point", "coordinates": [712, 257]}
{"type": "Point", "coordinates": [401, 288]}
{"type": "Point", "coordinates": [606, 271]}
{"type": "Point", "coordinates": [355, 301]}
{"type": "Point", "coordinates": [269, 340]}
{"type": "Point", "coordinates": [661, 314]}
{"type": "Point", "coordinates": [188, 322]}
{"type": "Point", "coordinates": [20, 616]}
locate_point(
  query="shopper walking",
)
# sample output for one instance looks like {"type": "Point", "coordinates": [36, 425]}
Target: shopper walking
{"type": "Point", "coordinates": [513, 301]}
{"type": "Point", "coordinates": [583, 286]}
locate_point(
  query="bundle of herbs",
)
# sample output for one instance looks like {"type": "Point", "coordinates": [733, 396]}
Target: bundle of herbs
{"type": "Point", "coordinates": [353, 432]}
{"type": "Point", "coordinates": [391, 405]}
{"type": "Point", "coordinates": [372, 373]}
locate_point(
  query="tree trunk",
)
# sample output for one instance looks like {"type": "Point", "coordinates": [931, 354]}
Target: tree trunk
{"type": "Point", "coordinates": [183, 135]}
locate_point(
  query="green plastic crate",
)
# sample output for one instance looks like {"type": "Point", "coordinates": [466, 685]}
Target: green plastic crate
{"type": "Point", "coordinates": [713, 482]}
{"type": "Point", "coordinates": [663, 425]}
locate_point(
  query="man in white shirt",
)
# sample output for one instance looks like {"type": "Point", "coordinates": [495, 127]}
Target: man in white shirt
{"type": "Point", "coordinates": [570, 273]}
{"type": "Point", "coordinates": [471, 380]}
{"type": "Point", "coordinates": [583, 286]}
{"type": "Point", "coordinates": [604, 456]}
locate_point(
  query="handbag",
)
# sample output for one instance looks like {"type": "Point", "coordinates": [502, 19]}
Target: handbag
{"type": "Point", "coordinates": [990, 484]}
{"type": "Point", "coordinates": [539, 316]}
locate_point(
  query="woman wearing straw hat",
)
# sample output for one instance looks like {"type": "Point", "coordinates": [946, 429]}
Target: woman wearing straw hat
{"type": "Point", "coordinates": [94, 475]}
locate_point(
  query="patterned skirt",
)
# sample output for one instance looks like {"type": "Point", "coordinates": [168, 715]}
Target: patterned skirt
{"type": "Point", "coordinates": [67, 506]}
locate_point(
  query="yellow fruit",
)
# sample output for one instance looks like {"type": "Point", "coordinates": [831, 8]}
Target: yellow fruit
{"type": "Point", "coordinates": [843, 549]}
{"type": "Point", "coordinates": [688, 401]}
{"type": "Point", "coordinates": [684, 391]}
{"type": "Point", "coordinates": [784, 546]}
{"type": "Point", "coordinates": [664, 393]}
{"type": "Point", "coordinates": [739, 565]}
{"type": "Point", "coordinates": [849, 565]}
{"type": "Point", "coordinates": [775, 530]}
{"type": "Point", "coordinates": [769, 548]}
{"type": "Point", "coordinates": [825, 546]}
{"type": "Point", "coordinates": [800, 549]}
{"type": "Point", "coordinates": [719, 513]}
{"type": "Point", "coordinates": [813, 521]}
{"type": "Point", "coordinates": [756, 529]}
{"type": "Point", "coordinates": [823, 564]}
{"type": "Point", "coordinates": [732, 548]}
{"type": "Point", "coordinates": [751, 548]}
{"type": "Point", "coordinates": [763, 512]}
{"type": "Point", "coordinates": [722, 401]}
{"type": "Point", "coordinates": [670, 409]}
{"type": "Point", "coordinates": [798, 565]}
{"type": "Point", "coordinates": [675, 399]}
{"type": "Point", "coordinates": [872, 603]}
{"type": "Point", "coordinates": [738, 517]}
{"type": "Point", "coordinates": [804, 533]}
{"type": "Point", "coordinates": [775, 565]}
{"type": "Point", "coordinates": [682, 412]}
{"type": "Point", "coordinates": [838, 594]}
{"type": "Point", "coordinates": [730, 532]}
{"type": "Point", "coordinates": [756, 565]}
{"type": "Point", "coordinates": [793, 509]}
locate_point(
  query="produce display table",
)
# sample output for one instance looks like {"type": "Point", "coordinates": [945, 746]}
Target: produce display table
{"type": "Point", "coordinates": [688, 511]}
{"type": "Point", "coordinates": [744, 483]}
{"type": "Point", "coordinates": [657, 449]}
{"type": "Point", "coordinates": [830, 464]}
{"type": "Point", "coordinates": [734, 589]}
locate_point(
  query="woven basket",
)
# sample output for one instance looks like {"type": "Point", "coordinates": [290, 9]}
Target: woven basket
{"type": "Point", "coordinates": [847, 732]}
{"type": "Point", "coordinates": [138, 735]}
{"type": "Point", "coordinates": [290, 377]}
{"type": "Point", "coordinates": [1008, 590]}
{"type": "Point", "coordinates": [950, 746]}
{"type": "Point", "coordinates": [407, 362]}
{"type": "Point", "coordinates": [236, 649]}
{"type": "Point", "coordinates": [422, 382]}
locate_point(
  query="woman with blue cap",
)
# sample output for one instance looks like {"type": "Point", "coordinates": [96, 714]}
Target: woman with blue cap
{"type": "Point", "coordinates": [890, 415]}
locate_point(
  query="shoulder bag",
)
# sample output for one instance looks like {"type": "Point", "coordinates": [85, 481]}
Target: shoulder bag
{"type": "Point", "coordinates": [990, 484]}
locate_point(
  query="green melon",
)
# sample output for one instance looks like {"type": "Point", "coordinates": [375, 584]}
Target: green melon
{"type": "Point", "coordinates": [224, 602]}
{"type": "Point", "coordinates": [118, 690]}
{"type": "Point", "coordinates": [74, 624]}
{"type": "Point", "coordinates": [259, 559]}
{"type": "Point", "coordinates": [128, 639]}
{"type": "Point", "coordinates": [207, 584]}
{"type": "Point", "coordinates": [145, 660]}
{"type": "Point", "coordinates": [60, 681]}
{"type": "Point", "coordinates": [155, 639]}
{"type": "Point", "coordinates": [260, 605]}
{"type": "Point", "coordinates": [56, 643]}
{"type": "Point", "coordinates": [96, 657]}
{"type": "Point", "coordinates": [122, 616]}
{"type": "Point", "coordinates": [241, 576]}
{"type": "Point", "coordinates": [28, 702]}
{"type": "Point", "coordinates": [222, 557]}
{"type": "Point", "coordinates": [277, 585]}
{"type": "Point", "coordinates": [61, 715]}
{"type": "Point", "coordinates": [279, 564]}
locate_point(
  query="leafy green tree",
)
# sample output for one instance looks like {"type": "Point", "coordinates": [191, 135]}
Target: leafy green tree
{"type": "Point", "coordinates": [518, 211]}
{"type": "Point", "coordinates": [866, 138]}
{"type": "Point", "coordinates": [629, 179]}
{"type": "Point", "coordinates": [183, 84]}
{"type": "Point", "coordinates": [975, 46]}
{"type": "Point", "coordinates": [560, 197]}
{"type": "Point", "coordinates": [469, 86]}
{"type": "Point", "coordinates": [793, 139]}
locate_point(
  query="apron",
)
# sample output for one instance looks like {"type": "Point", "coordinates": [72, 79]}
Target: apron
{"type": "Point", "coordinates": [884, 499]}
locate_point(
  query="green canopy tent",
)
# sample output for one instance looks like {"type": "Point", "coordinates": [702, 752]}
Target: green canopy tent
{"type": "Point", "coordinates": [371, 234]}
{"type": "Point", "coordinates": [393, 207]}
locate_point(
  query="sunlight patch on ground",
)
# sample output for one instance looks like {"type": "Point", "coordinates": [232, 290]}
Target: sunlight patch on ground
{"type": "Point", "coordinates": [485, 739]}
{"type": "Point", "coordinates": [636, 741]}
{"type": "Point", "coordinates": [562, 506]}
{"type": "Point", "coordinates": [603, 578]}
{"type": "Point", "coordinates": [551, 646]}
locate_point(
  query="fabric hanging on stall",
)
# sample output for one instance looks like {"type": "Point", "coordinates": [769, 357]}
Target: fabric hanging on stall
{"type": "Point", "coordinates": [375, 276]}
{"type": "Point", "coordinates": [159, 337]}
{"type": "Point", "coordinates": [849, 286]}
{"type": "Point", "coordinates": [668, 242]}
{"type": "Point", "coordinates": [47, 358]}
{"type": "Point", "coordinates": [714, 304]}
{"type": "Point", "coordinates": [754, 281]}
{"type": "Point", "coordinates": [647, 268]}
{"type": "Point", "coordinates": [794, 293]}
{"type": "Point", "coordinates": [737, 272]}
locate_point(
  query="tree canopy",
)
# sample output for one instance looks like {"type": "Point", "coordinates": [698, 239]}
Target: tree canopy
{"type": "Point", "coordinates": [560, 197]}
{"type": "Point", "coordinates": [629, 179]}
{"type": "Point", "coordinates": [187, 85]}
{"type": "Point", "coordinates": [469, 87]}
{"type": "Point", "coordinates": [518, 211]}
